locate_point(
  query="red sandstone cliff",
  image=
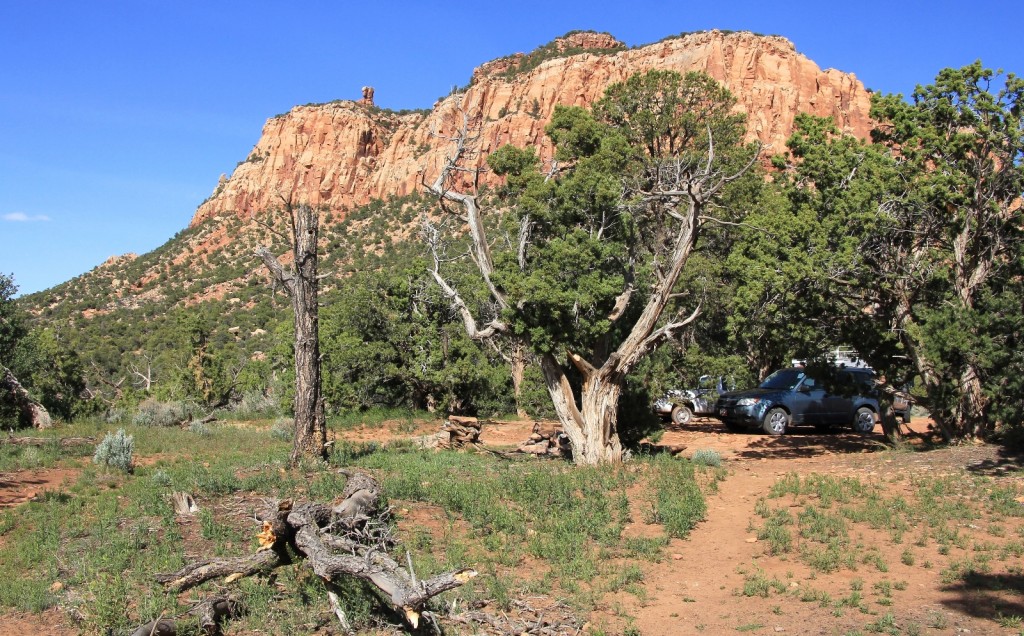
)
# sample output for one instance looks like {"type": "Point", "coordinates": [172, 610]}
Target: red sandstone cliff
{"type": "Point", "coordinates": [346, 153]}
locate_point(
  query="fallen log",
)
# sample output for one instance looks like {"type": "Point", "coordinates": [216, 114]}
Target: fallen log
{"type": "Point", "coordinates": [210, 613]}
{"type": "Point", "coordinates": [63, 442]}
{"type": "Point", "coordinates": [350, 539]}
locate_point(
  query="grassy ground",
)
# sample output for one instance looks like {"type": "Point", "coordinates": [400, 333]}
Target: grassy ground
{"type": "Point", "coordinates": [528, 526]}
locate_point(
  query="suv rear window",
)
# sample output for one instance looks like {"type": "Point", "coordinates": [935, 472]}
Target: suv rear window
{"type": "Point", "coordinates": [783, 379]}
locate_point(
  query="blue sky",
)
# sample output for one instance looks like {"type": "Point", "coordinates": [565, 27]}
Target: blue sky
{"type": "Point", "coordinates": [118, 117]}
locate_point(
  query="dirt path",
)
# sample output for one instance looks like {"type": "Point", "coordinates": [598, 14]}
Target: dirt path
{"type": "Point", "coordinates": [698, 589]}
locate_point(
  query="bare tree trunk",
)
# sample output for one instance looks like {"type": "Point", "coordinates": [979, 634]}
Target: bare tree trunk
{"type": "Point", "coordinates": [518, 362]}
{"type": "Point", "coordinates": [971, 410]}
{"type": "Point", "coordinates": [310, 426]}
{"type": "Point", "coordinates": [592, 427]}
{"type": "Point", "coordinates": [32, 411]}
{"type": "Point", "coordinates": [302, 286]}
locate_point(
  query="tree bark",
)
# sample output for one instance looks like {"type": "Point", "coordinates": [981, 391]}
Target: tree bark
{"type": "Point", "coordinates": [302, 286]}
{"type": "Point", "coordinates": [350, 539]}
{"type": "Point", "coordinates": [31, 410]}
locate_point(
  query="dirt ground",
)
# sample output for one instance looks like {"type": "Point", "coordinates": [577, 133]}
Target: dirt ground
{"type": "Point", "coordinates": [697, 587]}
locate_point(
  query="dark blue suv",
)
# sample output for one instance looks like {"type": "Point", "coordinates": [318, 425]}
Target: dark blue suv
{"type": "Point", "coordinates": [846, 396]}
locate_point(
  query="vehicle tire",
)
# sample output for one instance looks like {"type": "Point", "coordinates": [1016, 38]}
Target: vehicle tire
{"type": "Point", "coordinates": [775, 421]}
{"type": "Point", "coordinates": [681, 415]}
{"type": "Point", "coordinates": [864, 420]}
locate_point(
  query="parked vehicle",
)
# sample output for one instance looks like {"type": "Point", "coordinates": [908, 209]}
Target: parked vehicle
{"type": "Point", "coordinates": [680, 405]}
{"type": "Point", "coordinates": [845, 396]}
{"type": "Point", "coordinates": [901, 404]}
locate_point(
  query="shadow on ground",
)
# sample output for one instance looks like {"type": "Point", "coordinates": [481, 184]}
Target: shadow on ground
{"type": "Point", "coordinates": [1005, 461]}
{"type": "Point", "coordinates": [989, 596]}
{"type": "Point", "coordinates": [808, 443]}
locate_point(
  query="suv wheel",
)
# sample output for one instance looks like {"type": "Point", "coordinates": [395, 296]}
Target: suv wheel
{"type": "Point", "coordinates": [775, 421]}
{"type": "Point", "coordinates": [681, 415]}
{"type": "Point", "coordinates": [864, 420]}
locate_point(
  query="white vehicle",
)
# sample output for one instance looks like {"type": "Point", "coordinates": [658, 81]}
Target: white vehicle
{"type": "Point", "coordinates": [680, 405]}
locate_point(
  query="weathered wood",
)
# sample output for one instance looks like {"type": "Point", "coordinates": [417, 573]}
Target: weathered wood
{"type": "Point", "coordinates": [343, 540]}
{"type": "Point", "coordinates": [184, 504]}
{"type": "Point", "coordinates": [212, 613]}
{"type": "Point", "coordinates": [33, 412]}
{"type": "Point", "coordinates": [63, 442]}
{"type": "Point", "coordinates": [200, 572]}
{"type": "Point", "coordinates": [302, 286]}
{"type": "Point", "coordinates": [159, 627]}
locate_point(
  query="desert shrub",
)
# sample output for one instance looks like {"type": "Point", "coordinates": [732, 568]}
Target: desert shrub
{"type": "Point", "coordinates": [155, 413]}
{"type": "Point", "coordinates": [256, 404]}
{"type": "Point", "coordinates": [115, 450]}
{"type": "Point", "coordinates": [283, 429]}
{"type": "Point", "coordinates": [707, 457]}
{"type": "Point", "coordinates": [117, 416]}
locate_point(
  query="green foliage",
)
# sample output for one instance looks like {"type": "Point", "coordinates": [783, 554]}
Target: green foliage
{"type": "Point", "coordinates": [390, 338]}
{"type": "Point", "coordinates": [12, 327]}
{"type": "Point", "coordinates": [115, 451]}
{"type": "Point", "coordinates": [593, 234]}
{"type": "Point", "coordinates": [518, 64]}
{"type": "Point", "coordinates": [51, 370]}
{"type": "Point", "coordinates": [42, 360]}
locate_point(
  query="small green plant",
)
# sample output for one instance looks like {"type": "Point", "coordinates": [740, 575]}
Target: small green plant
{"type": "Point", "coordinates": [161, 478]}
{"type": "Point", "coordinates": [707, 457]}
{"type": "Point", "coordinates": [937, 620]}
{"type": "Point", "coordinates": [907, 558]}
{"type": "Point", "coordinates": [115, 451]}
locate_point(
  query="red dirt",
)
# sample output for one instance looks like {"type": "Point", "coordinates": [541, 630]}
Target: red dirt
{"type": "Point", "coordinates": [21, 486]}
{"type": "Point", "coordinates": [697, 587]}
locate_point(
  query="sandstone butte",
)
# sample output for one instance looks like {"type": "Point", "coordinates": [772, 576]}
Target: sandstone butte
{"type": "Point", "coordinates": [346, 153]}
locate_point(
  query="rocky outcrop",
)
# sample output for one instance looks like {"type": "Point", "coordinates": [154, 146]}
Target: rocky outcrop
{"type": "Point", "coordinates": [346, 153]}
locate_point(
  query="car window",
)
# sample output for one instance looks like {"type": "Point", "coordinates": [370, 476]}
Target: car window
{"type": "Point", "coordinates": [783, 379]}
{"type": "Point", "coordinates": [853, 383]}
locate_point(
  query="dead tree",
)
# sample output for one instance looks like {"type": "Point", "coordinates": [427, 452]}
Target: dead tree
{"type": "Point", "coordinates": [350, 539]}
{"type": "Point", "coordinates": [301, 284]}
{"type": "Point", "coordinates": [31, 410]}
{"type": "Point", "coordinates": [143, 380]}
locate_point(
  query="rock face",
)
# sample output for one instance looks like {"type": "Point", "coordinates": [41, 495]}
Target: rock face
{"type": "Point", "coordinates": [344, 154]}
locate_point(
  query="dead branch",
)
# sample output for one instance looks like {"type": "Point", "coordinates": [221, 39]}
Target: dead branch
{"type": "Point", "coordinates": [349, 539]}
{"type": "Point", "coordinates": [63, 442]}
{"type": "Point", "coordinates": [554, 619]}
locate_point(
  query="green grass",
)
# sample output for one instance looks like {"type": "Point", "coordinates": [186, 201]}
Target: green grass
{"type": "Point", "coordinates": [106, 536]}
